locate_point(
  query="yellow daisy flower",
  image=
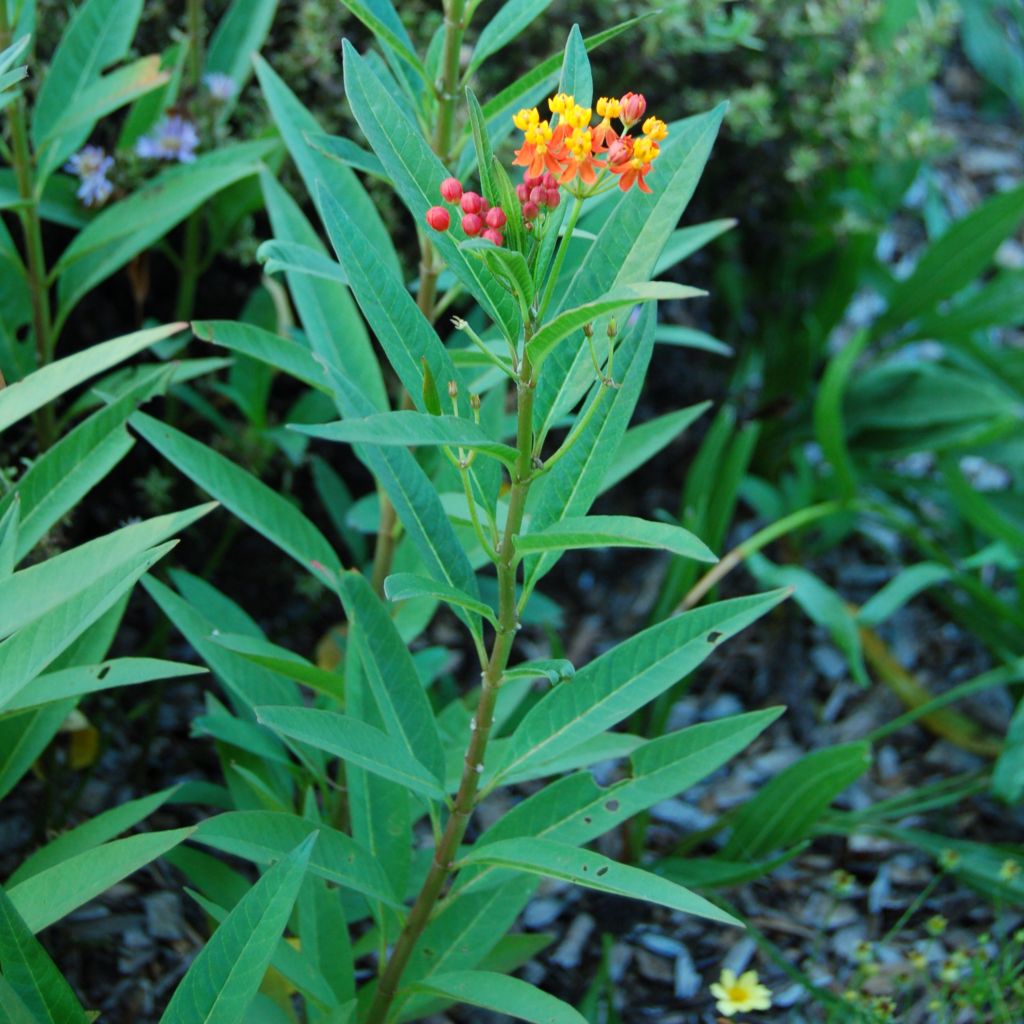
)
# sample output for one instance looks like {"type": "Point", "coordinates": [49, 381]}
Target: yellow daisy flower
{"type": "Point", "coordinates": [740, 995]}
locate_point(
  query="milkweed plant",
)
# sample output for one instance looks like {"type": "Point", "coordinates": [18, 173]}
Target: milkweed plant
{"type": "Point", "coordinates": [490, 399]}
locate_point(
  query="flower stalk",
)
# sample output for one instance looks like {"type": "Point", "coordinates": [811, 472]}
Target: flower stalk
{"type": "Point", "coordinates": [442, 865]}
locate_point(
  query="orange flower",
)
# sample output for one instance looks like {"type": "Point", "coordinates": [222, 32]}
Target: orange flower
{"type": "Point", "coordinates": [631, 160]}
{"type": "Point", "coordinates": [540, 151]}
{"type": "Point", "coordinates": [579, 144]}
{"type": "Point", "coordinates": [604, 133]}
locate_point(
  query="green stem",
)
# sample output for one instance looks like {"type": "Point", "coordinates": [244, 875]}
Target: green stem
{"type": "Point", "coordinates": [508, 623]}
{"type": "Point", "coordinates": [189, 268]}
{"type": "Point", "coordinates": [195, 38]}
{"type": "Point", "coordinates": [454, 28]}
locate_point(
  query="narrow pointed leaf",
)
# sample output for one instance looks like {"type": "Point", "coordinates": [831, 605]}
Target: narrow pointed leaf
{"type": "Point", "coordinates": [593, 871]}
{"type": "Point", "coordinates": [501, 994]}
{"type": "Point", "coordinates": [405, 586]}
{"type": "Point", "coordinates": [355, 741]}
{"type": "Point", "coordinates": [614, 531]}
{"type": "Point", "coordinates": [227, 973]}
{"type": "Point", "coordinates": [410, 429]}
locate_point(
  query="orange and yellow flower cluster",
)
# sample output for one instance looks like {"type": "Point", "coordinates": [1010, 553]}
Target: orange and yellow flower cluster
{"type": "Point", "coordinates": [569, 148]}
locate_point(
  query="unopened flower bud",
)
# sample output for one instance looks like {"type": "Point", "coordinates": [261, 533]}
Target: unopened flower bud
{"type": "Point", "coordinates": [494, 236]}
{"type": "Point", "coordinates": [484, 206]}
{"type": "Point", "coordinates": [612, 329]}
{"type": "Point", "coordinates": [474, 403]}
{"type": "Point", "coordinates": [496, 217]}
{"type": "Point", "coordinates": [549, 180]}
{"type": "Point", "coordinates": [471, 223]}
{"type": "Point", "coordinates": [632, 107]}
{"type": "Point", "coordinates": [553, 197]}
{"type": "Point", "coordinates": [438, 218]}
{"type": "Point", "coordinates": [453, 389]}
{"type": "Point", "coordinates": [471, 202]}
{"type": "Point", "coordinates": [532, 180]}
{"type": "Point", "coordinates": [522, 193]}
{"type": "Point", "coordinates": [588, 330]}
{"type": "Point", "coordinates": [451, 190]}
{"type": "Point", "coordinates": [538, 194]}
{"type": "Point", "coordinates": [530, 210]}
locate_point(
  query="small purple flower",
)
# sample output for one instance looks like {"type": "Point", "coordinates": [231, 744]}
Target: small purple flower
{"type": "Point", "coordinates": [174, 138]}
{"type": "Point", "coordinates": [91, 164]}
{"type": "Point", "coordinates": [222, 87]}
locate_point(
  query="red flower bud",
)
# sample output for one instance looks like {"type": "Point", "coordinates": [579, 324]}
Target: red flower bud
{"type": "Point", "coordinates": [538, 194]}
{"type": "Point", "coordinates": [632, 107]}
{"type": "Point", "coordinates": [484, 207]}
{"type": "Point", "coordinates": [550, 181]}
{"type": "Point", "coordinates": [471, 202]}
{"type": "Point", "coordinates": [471, 223]}
{"type": "Point", "coordinates": [532, 180]}
{"type": "Point", "coordinates": [451, 190]}
{"type": "Point", "coordinates": [438, 218]}
{"type": "Point", "coordinates": [496, 218]}
{"type": "Point", "coordinates": [530, 210]}
{"type": "Point", "coordinates": [554, 197]}
{"type": "Point", "coordinates": [522, 193]}
{"type": "Point", "coordinates": [494, 236]}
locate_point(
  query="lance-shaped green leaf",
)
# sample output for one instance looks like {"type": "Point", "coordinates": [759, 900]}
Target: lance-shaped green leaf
{"type": "Point", "coordinates": [249, 684]}
{"type": "Point", "coordinates": [227, 973]}
{"type": "Point", "coordinates": [96, 830]}
{"type": "Point", "coordinates": [99, 34]}
{"type": "Point", "coordinates": [501, 994]}
{"type": "Point", "coordinates": [409, 429]}
{"type": "Point", "coordinates": [280, 257]}
{"type": "Point", "coordinates": [401, 699]}
{"type": "Point", "coordinates": [250, 499]}
{"type": "Point", "coordinates": [109, 93]}
{"type": "Point", "coordinates": [31, 593]}
{"type": "Point", "coordinates": [334, 330]}
{"type": "Point", "coordinates": [555, 331]}
{"type": "Point", "coordinates": [282, 353]}
{"type": "Point", "coordinates": [786, 809]}
{"type": "Point", "coordinates": [612, 532]}
{"type": "Point", "coordinates": [339, 148]}
{"type": "Point", "coordinates": [627, 677]}
{"type": "Point", "coordinates": [955, 259]}
{"type": "Point", "coordinates": [405, 334]}
{"type": "Point", "coordinates": [297, 125]}
{"type": "Point", "coordinates": [25, 396]}
{"type": "Point", "coordinates": [592, 871]}
{"type": "Point", "coordinates": [384, 23]}
{"type": "Point", "coordinates": [286, 958]}
{"type": "Point", "coordinates": [81, 680]}
{"type": "Point", "coordinates": [997, 303]}
{"type": "Point", "coordinates": [25, 654]}
{"type": "Point", "coordinates": [265, 836]}
{"type": "Point", "coordinates": [33, 976]}
{"type": "Point", "coordinates": [355, 741]}
{"type": "Point", "coordinates": [54, 892]}
{"type": "Point", "coordinates": [576, 79]}
{"type": "Point", "coordinates": [417, 174]}
{"type": "Point", "coordinates": [281, 661]}
{"type": "Point", "coordinates": [576, 810]}
{"type": "Point", "coordinates": [484, 154]}
{"type": "Point", "coordinates": [406, 586]}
